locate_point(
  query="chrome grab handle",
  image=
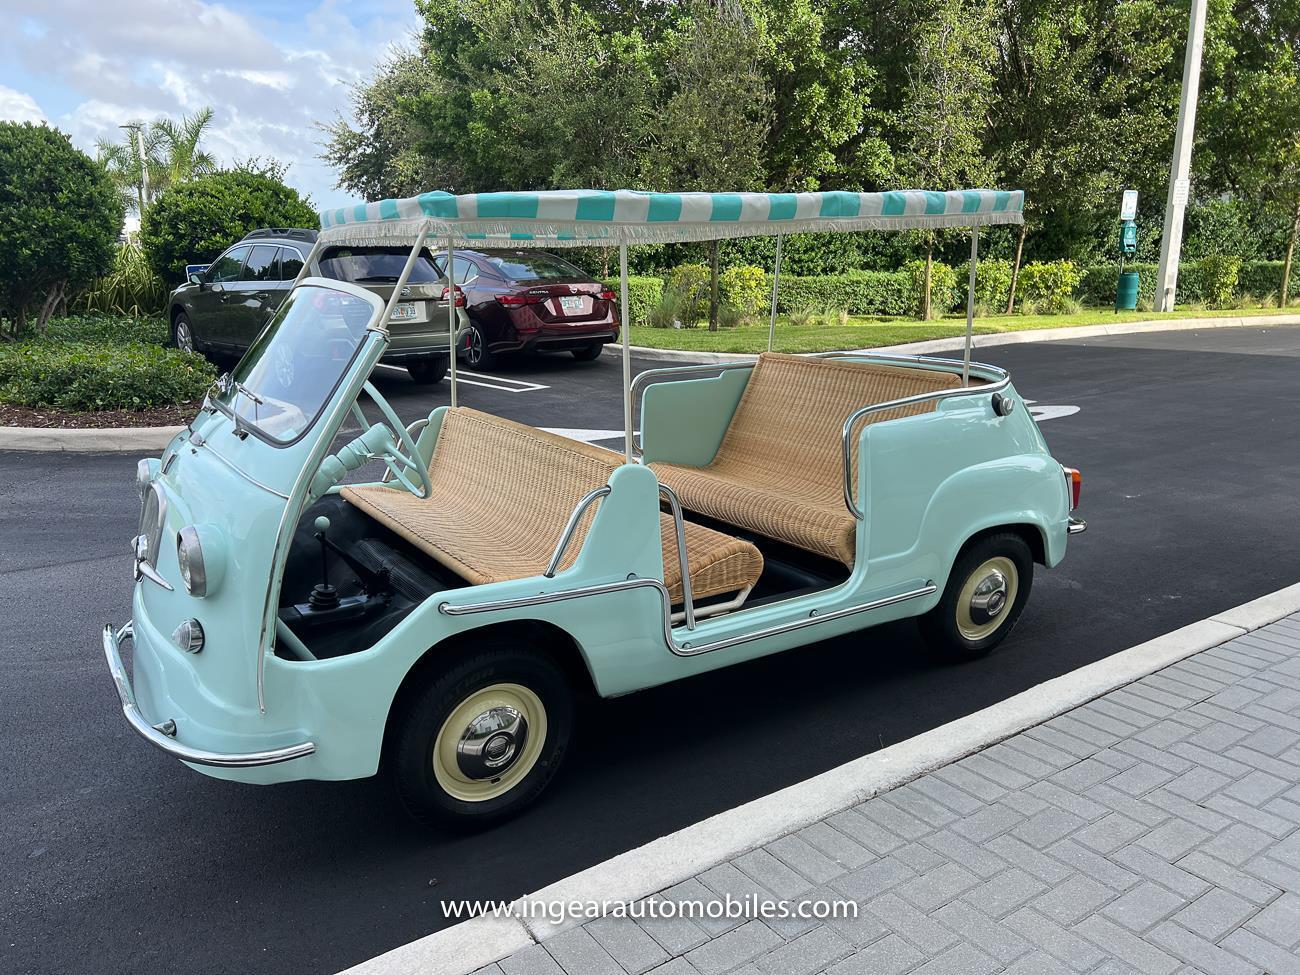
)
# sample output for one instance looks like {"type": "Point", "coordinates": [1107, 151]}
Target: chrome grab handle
{"type": "Point", "coordinates": [679, 527]}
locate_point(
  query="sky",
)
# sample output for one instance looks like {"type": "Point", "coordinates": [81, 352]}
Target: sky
{"type": "Point", "coordinates": [271, 70]}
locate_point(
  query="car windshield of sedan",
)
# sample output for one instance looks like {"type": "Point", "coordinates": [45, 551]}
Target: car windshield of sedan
{"type": "Point", "coordinates": [283, 382]}
{"type": "Point", "coordinates": [376, 265]}
{"type": "Point", "coordinates": [524, 265]}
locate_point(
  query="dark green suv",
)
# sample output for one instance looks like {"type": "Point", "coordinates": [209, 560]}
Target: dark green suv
{"type": "Point", "coordinates": [223, 308]}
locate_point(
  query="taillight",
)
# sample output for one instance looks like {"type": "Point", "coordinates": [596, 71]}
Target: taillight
{"type": "Point", "coordinates": [460, 297]}
{"type": "Point", "coordinates": [607, 295]}
{"type": "Point", "coordinates": [1074, 481]}
{"type": "Point", "coordinates": [516, 300]}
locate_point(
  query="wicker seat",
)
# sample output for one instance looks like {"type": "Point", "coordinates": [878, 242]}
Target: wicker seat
{"type": "Point", "coordinates": [778, 471]}
{"type": "Point", "coordinates": [502, 494]}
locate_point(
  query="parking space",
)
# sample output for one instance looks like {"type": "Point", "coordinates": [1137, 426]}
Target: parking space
{"type": "Point", "coordinates": [116, 858]}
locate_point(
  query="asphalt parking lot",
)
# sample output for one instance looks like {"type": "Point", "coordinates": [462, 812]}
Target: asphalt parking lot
{"type": "Point", "coordinates": [114, 858]}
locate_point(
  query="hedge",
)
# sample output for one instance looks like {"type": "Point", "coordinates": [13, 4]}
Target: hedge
{"type": "Point", "coordinates": [108, 329]}
{"type": "Point", "coordinates": [90, 376]}
{"type": "Point", "coordinates": [859, 293]}
{"type": "Point", "coordinates": [643, 293]}
{"type": "Point", "coordinates": [1196, 281]}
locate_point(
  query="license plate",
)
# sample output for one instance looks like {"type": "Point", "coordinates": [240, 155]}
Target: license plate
{"type": "Point", "coordinates": [404, 312]}
{"type": "Point", "coordinates": [571, 304]}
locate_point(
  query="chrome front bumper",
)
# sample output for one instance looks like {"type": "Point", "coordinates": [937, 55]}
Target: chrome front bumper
{"type": "Point", "coordinates": [162, 735]}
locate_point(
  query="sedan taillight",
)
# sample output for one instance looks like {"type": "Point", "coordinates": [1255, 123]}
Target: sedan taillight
{"type": "Point", "coordinates": [1074, 482]}
{"type": "Point", "coordinates": [515, 301]}
{"type": "Point", "coordinates": [460, 297]}
{"type": "Point", "coordinates": [607, 295]}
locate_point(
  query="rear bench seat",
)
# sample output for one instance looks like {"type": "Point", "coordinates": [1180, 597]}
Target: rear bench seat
{"type": "Point", "coordinates": [779, 469]}
{"type": "Point", "coordinates": [502, 494]}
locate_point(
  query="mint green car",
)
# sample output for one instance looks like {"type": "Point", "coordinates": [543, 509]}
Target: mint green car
{"type": "Point", "coordinates": [432, 599]}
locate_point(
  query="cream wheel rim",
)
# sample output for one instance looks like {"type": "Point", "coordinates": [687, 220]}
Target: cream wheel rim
{"type": "Point", "coordinates": [985, 601]}
{"type": "Point", "coordinates": [489, 742]}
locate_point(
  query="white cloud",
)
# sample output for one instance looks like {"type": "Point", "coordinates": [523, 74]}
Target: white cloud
{"type": "Point", "coordinates": [95, 66]}
{"type": "Point", "coordinates": [17, 106]}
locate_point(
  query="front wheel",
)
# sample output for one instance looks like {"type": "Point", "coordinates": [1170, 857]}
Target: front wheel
{"type": "Point", "coordinates": [428, 372]}
{"type": "Point", "coordinates": [183, 333]}
{"type": "Point", "coordinates": [483, 739]}
{"type": "Point", "coordinates": [985, 595]}
{"type": "Point", "coordinates": [588, 353]}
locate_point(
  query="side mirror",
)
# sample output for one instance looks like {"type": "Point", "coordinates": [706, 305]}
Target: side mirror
{"type": "Point", "coordinates": [196, 278]}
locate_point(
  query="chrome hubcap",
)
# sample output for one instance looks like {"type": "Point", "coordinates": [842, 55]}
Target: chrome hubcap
{"type": "Point", "coordinates": [491, 743]}
{"type": "Point", "coordinates": [475, 346]}
{"type": "Point", "coordinates": [989, 599]}
{"type": "Point", "coordinates": [183, 340]}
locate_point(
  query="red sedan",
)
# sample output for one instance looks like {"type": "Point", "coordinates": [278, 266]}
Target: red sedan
{"type": "Point", "coordinates": [531, 301]}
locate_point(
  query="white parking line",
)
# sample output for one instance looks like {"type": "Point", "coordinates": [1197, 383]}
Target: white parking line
{"type": "Point", "coordinates": [481, 379]}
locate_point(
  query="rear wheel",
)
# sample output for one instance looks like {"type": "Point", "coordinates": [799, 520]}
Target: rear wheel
{"type": "Point", "coordinates": [588, 353]}
{"type": "Point", "coordinates": [984, 597]}
{"type": "Point", "coordinates": [483, 739]}
{"type": "Point", "coordinates": [429, 371]}
{"type": "Point", "coordinates": [477, 353]}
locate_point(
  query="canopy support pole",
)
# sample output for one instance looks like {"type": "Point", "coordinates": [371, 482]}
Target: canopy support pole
{"type": "Point", "coordinates": [451, 315]}
{"type": "Point", "coordinates": [627, 354]}
{"type": "Point", "coordinates": [776, 278]}
{"type": "Point", "coordinates": [970, 305]}
{"type": "Point", "coordinates": [305, 270]}
{"type": "Point", "coordinates": [402, 278]}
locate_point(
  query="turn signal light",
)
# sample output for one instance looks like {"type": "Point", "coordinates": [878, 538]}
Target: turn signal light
{"type": "Point", "coordinates": [1074, 480]}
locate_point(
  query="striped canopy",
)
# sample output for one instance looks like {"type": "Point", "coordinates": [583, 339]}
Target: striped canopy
{"type": "Point", "coordinates": [571, 218]}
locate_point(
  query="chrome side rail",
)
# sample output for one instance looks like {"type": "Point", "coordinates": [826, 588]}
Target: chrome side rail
{"type": "Point", "coordinates": [685, 649]}
{"type": "Point", "coordinates": [679, 527]}
{"type": "Point", "coordinates": [163, 734]}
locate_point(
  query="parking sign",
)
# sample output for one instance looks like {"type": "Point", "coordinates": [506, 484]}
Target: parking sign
{"type": "Point", "coordinates": [1128, 207]}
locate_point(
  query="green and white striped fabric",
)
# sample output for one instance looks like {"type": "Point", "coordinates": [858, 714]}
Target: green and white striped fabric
{"type": "Point", "coordinates": [559, 218]}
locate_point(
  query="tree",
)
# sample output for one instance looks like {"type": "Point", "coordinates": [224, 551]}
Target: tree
{"type": "Point", "coordinates": [60, 219]}
{"type": "Point", "coordinates": [171, 155]}
{"type": "Point", "coordinates": [940, 124]}
{"type": "Point", "coordinates": [193, 222]}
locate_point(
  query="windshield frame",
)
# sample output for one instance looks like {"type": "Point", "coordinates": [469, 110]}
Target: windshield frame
{"type": "Point", "coordinates": [242, 424]}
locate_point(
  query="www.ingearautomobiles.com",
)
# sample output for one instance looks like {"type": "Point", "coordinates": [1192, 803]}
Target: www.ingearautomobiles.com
{"type": "Point", "coordinates": [749, 906]}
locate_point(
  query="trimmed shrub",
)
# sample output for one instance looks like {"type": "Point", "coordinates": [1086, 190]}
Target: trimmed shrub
{"type": "Point", "coordinates": [690, 284]}
{"type": "Point", "coordinates": [108, 329]}
{"type": "Point", "coordinates": [92, 376]}
{"type": "Point", "coordinates": [643, 293]}
{"type": "Point", "coordinates": [745, 288]}
{"type": "Point", "coordinates": [194, 221]}
{"type": "Point", "coordinates": [992, 283]}
{"type": "Point", "coordinates": [131, 288]}
{"type": "Point", "coordinates": [944, 293]}
{"type": "Point", "coordinates": [60, 217]}
{"type": "Point", "coordinates": [1264, 278]}
{"type": "Point", "coordinates": [1219, 280]}
{"type": "Point", "coordinates": [861, 293]}
{"type": "Point", "coordinates": [1049, 285]}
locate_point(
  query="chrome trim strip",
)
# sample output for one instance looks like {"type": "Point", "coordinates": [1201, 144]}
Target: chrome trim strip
{"type": "Point", "coordinates": [240, 471]}
{"type": "Point", "coordinates": [162, 734]}
{"type": "Point", "coordinates": [683, 563]}
{"type": "Point", "coordinates": [571, 526]}
{"type": "Point", "coordinates": [1076, 526]}
{"type": "Point", "coordinates": [685, 649]}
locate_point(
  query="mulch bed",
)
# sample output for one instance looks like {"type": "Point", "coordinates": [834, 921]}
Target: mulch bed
{"type": "Point", "coordinates": [163, 416]}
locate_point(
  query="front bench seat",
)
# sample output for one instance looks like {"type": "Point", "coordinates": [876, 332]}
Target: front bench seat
{"type": "Point", "coordinates": [779, 468]}
{"type": "Point", "coordinates": [502, 494]}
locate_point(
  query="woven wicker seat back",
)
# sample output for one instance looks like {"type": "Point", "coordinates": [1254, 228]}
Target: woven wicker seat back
{"type": "Point", "coordinates": [779, 469]}
{"type": "Point", "coordinates": [502, 494]}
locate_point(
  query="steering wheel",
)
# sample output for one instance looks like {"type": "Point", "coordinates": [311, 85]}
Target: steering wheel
{"type": "Point", "coordinates": [399, 461]}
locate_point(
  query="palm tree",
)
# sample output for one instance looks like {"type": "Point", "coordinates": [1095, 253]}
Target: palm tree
{"type": "Point", "coordinates": [171, 155]}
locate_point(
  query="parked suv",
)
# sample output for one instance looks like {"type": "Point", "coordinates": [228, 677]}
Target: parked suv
{"type": "Point", "coordinates": [223, 308]}
{"type": "Point", "coordinates": [528, 300]}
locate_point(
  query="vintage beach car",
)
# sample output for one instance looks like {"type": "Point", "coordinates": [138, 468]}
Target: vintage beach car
{"type": "Point", "coordinates": [293, 620]}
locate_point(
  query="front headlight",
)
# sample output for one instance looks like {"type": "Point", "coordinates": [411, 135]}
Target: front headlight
{"type": "Point", "coordinates": [189, 556]}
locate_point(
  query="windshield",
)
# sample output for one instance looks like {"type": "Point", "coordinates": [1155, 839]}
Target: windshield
{"type": "Point", "coordinates": [376, 265]}
{"type": "Point", "coordinates": [283, 382]}
{"type": "Point", "coordinates": [525, 265]}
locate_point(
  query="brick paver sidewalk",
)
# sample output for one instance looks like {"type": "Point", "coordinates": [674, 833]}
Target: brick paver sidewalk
{"type": "Point", "coordinates": [1152, 830]}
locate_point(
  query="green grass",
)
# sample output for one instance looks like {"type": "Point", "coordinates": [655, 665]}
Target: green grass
{"type": "Point", "coordinates": [876, 332]}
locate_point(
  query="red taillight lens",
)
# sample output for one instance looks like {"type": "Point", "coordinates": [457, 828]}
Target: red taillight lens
{"type": "Point", "coordinates": [460, 297]}
{"type": "Point", "coordinates": [515, 301]}
{"type": "Point", "coordinates": [607, 295]}
{"type": "Point", "coordinates": [1074, 481]}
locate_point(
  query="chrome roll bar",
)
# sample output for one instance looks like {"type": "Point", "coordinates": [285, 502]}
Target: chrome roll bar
{"type": "Point", "coordinates": [679, 528]}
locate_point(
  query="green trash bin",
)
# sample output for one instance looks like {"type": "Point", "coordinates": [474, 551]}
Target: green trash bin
{"type": "Point", "coordinates": [1126, 294]}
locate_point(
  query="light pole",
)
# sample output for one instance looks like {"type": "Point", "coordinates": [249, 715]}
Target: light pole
{"type": "Point", "coordinates": [143, 187]}
{"type": "Point", "coordinates": [1171, 243]}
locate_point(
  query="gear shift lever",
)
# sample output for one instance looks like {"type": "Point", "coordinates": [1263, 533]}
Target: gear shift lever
{"type": "Point", "coordinates": [323, 595]}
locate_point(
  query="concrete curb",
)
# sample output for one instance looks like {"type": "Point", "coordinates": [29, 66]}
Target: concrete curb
{"type": "Point", "coordinates": [470, 945]}
{"type": "Point", "coordinates": [87, 440]}
{"type": "Point", "coordinates": [1002, 338]}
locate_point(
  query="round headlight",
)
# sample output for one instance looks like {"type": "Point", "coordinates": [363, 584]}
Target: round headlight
{"type": "Point", "coordinates": [189, 556]}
